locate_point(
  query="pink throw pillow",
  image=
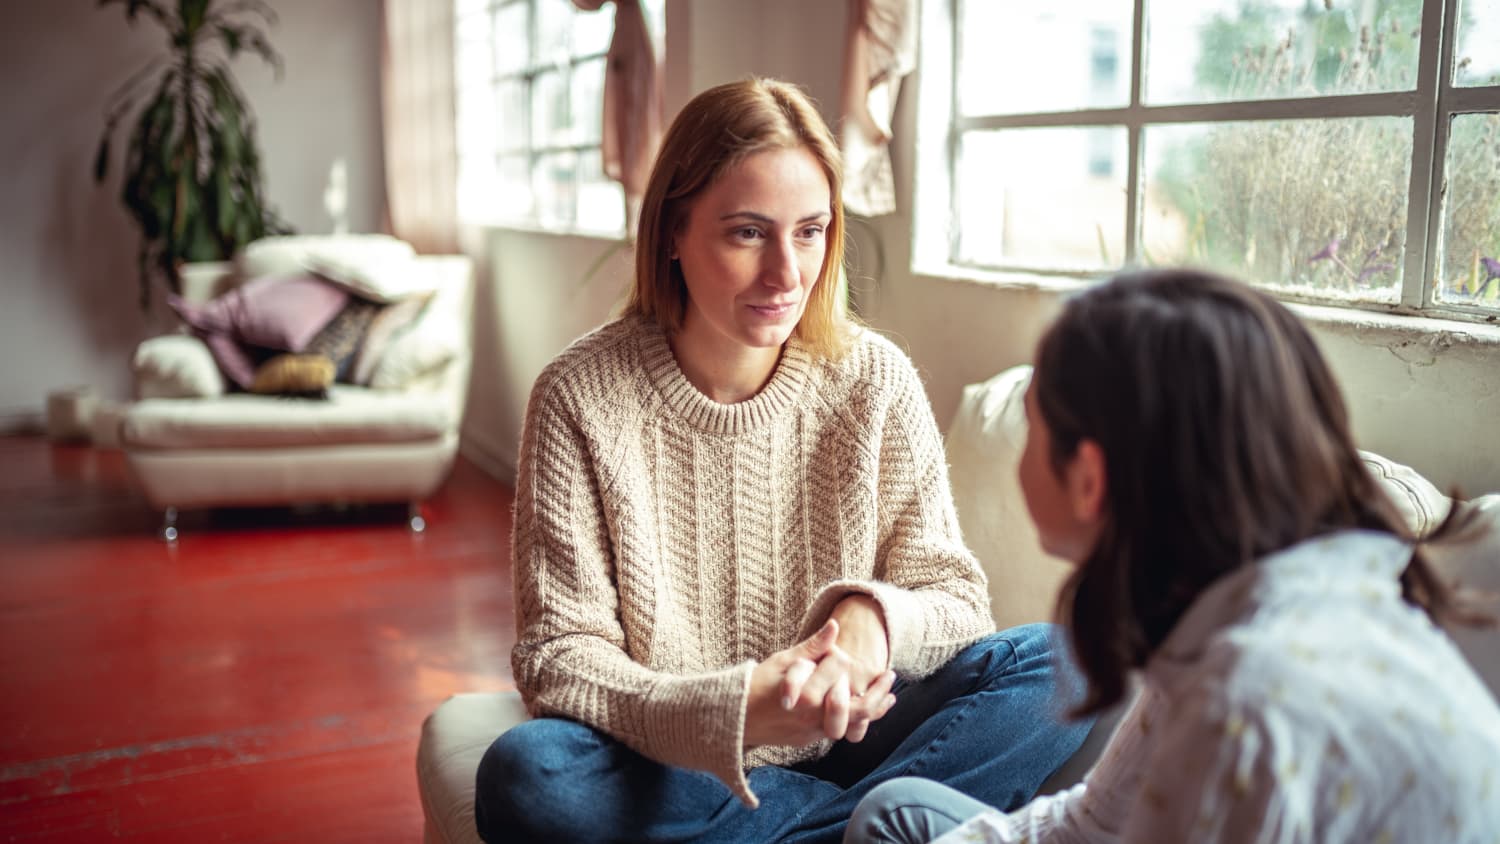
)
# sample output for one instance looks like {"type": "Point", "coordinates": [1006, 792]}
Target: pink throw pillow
{"type": "Point", "coordinates": [277, 314]}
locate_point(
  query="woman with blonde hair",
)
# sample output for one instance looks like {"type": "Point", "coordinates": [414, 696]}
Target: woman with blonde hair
{"type": "Point", "coordinates": [742, 597]}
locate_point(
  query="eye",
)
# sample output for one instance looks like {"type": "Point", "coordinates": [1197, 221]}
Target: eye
{"type": "Point", "coordinates": [811, 232]}
{"type": "Point", "coordinates": [747, 233]}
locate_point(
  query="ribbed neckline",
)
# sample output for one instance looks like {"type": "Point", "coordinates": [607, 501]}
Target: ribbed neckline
{"type": "Point", "coordinates": [780, 393]}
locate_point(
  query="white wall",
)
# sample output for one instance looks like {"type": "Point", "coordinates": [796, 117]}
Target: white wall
{"type": "Point", "coordinates": [1434, 406]}
{"type": "Point", "coordinates": [68, 314]}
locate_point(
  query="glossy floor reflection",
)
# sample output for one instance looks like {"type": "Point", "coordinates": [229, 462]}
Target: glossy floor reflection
{"type": "Point", "coordinates": [263, 679]}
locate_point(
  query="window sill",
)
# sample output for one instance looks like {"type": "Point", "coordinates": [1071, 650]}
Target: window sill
{"type": "Point", "coordinates": [1433, 330]}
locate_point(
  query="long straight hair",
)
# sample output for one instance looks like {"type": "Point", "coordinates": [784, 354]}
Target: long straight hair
{"type": "Point", "coordinates": [1225, 438]}
{"type": "Point", "coordinates": [715, 131]}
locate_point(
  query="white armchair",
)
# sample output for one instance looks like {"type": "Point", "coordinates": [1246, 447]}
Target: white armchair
{"type": "Point", "coordinates": [192, 444]}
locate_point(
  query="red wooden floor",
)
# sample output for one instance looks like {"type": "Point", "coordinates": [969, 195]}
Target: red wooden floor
{"type": "Point", "coordinates": [262, 680]}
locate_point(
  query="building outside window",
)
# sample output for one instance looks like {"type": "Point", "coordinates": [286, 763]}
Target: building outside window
{"type": "Point", "coordinates": [530, 82]}
{"type": "Point", "coordinates": [1337, 151]}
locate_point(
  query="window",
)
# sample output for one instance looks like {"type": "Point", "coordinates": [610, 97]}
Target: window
{"type": "Point", "coordinates": [1338, 151]}
{"type": "Point", "coordinates": [530, 82]}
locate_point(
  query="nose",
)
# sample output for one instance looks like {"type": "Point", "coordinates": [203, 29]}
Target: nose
{"type": "Point", "coordinates": [781, 270]}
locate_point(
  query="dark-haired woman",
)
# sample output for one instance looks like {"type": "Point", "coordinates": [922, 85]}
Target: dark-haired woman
{"type": "Point", "coordinates": [1189, 449]}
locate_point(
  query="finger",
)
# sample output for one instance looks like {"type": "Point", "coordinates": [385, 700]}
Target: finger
{"type": "Point", "coordinates": [859, 721]}
{"type": "Point", "coordinates": [791, 684]}
{"type": "Point", "coordinates": [818, 644]}
{"type": "Point", "coordinates": [836, 711]}
{"type": "Point", "coordinates": [831, 671]}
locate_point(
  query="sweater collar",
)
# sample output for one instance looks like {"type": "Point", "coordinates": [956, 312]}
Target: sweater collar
{"type": "Point", "coordinates": [783, 391]}
{"type": "Point", "coordinates": [1352, 564]}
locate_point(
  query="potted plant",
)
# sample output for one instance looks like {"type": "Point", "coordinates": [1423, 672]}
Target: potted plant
{"type": "Point", "coordinates": [192, 171]}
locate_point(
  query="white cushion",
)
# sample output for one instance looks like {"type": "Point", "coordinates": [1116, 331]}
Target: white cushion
{"type": "Point", "coordinates": [373, 275]}
{"type": "Point", "coordinates": [984, 445]}
{"type": "Point", "coordinates": [1422, 505]}
{"type": "Point", "coordinates": [350, 416]}
{"type": "Point", "coordinates": [289, 254]}
{"type": "Point", "coordinates": [175, 366]}
{"type": "Point", "coordinates": [454, 739]}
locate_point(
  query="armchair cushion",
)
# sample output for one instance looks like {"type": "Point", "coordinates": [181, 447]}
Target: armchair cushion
{"type": "Point", "coordinates": [175, 366]}
{"type": "Point", "coordinates": [278, 313]}
{"type": "Point", "coordinates": [287, 255]}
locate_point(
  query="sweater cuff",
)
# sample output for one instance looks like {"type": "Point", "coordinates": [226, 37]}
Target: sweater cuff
{"type": "Point", "coordinates": [698, 722]}
{"type": "Point", "coordinates": [905, 621]}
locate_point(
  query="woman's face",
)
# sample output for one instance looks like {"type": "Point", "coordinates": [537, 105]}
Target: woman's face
{"type": "Point", "coordinates": [751, 249]}
{"type": "Point", "coordinates": [1064, 508]}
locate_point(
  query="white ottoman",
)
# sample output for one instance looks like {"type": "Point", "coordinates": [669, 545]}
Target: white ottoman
{"type": "Point", "coordinates": [454, 739]}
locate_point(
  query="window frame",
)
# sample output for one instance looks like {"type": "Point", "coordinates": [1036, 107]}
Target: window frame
{"type": "Point", "coordinates": [1431, 106]}
{"type": "Point", "coordinates": [534, 154]}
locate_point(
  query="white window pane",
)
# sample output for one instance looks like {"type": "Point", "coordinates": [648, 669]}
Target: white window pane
{"type": "Point", "coordinates": [554, 181]}
{"type": "Point", "coordinates": [1040, 198]}
{"type": "Point", "coordinates": [601, 201]}
{"type": "Point", "coordinates": [1028, 57]}
{"type": "Point", "coordinates": [475, 121]}
{"type": "Point", "coordinates": [587, 102]}
{"type": "Point", "coordinates": [512, 38]}
{"type": "Point", "coordinates": [1200, 51]}
{"type": "Point", "coordinates": [513, 198]}
{"type": "Point", "coordinates": [554, 32]}
{"type": "Point", "coordinates": [1471, 213]}
{"type": "Point", "coordinates": [549, 110]}
{"type": "Point", "coordinates": [1477, 60]}
{"type": "Point", "coordinates": [1313, 206]}
{"type": "Point", "coordinates": [477, 182]}
{"type": "Point", "coordinates": [473, 52]}
{"type": "Point", "coordinates": [469, 8]}
{"type": "Point", "coordinates": [510, 106]}
{"type": "Point", "coordinates": [592, 30]}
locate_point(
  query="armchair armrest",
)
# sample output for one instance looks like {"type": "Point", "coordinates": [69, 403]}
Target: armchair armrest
{"type": "Point", "coordinates": [175, 366]}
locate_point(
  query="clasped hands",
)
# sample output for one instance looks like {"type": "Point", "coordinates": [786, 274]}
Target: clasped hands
{"type": "Point", "coordinates": [831, 685]}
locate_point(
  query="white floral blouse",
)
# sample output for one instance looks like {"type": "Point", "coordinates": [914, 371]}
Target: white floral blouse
{"type": "Point", "coordinates": [1298, 700]}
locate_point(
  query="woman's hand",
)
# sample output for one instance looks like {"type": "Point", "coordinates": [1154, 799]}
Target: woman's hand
{"type": "Point", "coordinates": [862, 636]}
{"type": "Point", "coordinates": [803, 694]}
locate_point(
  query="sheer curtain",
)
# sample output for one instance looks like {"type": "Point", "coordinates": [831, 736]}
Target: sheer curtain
{"type": "Point", "coordinates": [880, 49]}
{"type": "Point", "coordinates": [632, 102]}
{"type": "Point", "coordinates": [417, 91]}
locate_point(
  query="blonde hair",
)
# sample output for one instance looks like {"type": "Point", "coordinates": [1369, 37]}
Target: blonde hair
{"type": "Point", "coordinates": [718, 129]}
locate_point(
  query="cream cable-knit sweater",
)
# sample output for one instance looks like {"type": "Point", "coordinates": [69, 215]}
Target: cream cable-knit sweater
{"type": "Point", "coordinates": [665, 543]}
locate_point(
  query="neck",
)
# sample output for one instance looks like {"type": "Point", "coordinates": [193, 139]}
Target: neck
{"type": "Point", "coordinates": [726, 375]}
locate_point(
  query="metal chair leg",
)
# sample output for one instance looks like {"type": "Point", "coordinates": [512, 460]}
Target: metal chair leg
{"type": "Point", "coordinates": [414, 518]}
{"type": "Point", "coordinates": [168, 531]}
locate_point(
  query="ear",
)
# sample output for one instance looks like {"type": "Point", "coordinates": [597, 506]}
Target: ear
{"type": "Point", "coordinates": [1087, 482]}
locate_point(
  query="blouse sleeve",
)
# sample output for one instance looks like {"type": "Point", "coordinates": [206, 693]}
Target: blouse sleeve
{"type": "Point", "coordinates": [1213, 776]}
{"type": "Point", "coordinates": [570, 658]}
{"type": "Point", "coordinates": [928, 584]}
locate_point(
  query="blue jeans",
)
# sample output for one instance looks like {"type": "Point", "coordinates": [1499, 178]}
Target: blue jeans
{"type": "Point", "coordinates": [990, 723]}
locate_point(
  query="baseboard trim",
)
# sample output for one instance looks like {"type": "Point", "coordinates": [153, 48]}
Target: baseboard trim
{"type": "Point", "coordinates": [14, 423]}
{"type": "Point", "coordinates": [494, 461]}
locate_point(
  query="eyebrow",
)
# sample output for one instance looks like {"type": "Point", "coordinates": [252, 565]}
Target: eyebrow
{"type": "Point", "coordinates": [761, 218]}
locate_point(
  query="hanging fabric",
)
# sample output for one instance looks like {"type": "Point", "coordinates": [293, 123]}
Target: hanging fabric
{"type": "Point", "coordinates": [880, 50]}
{"type": "Point", "coordinates": [418, 124]}
{"type": "Point", "coordinates": [632, 120]}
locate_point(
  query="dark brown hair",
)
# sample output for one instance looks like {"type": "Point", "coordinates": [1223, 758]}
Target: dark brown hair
{"type": "Point", "coordinates": [715, 131]}
{"type": "Point", "coordinates": [1225, 438]}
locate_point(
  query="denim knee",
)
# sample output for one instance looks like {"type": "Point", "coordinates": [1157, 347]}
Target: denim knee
{"type": "Point", "coordinates": [909, 810]}
{"type": "Point", "coordinates": [514, 785]}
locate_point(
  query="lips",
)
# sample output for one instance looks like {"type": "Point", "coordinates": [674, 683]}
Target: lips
{"type": "Point", "coordinates": [774, 309]}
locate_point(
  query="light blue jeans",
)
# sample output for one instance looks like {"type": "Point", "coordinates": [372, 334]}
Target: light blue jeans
{"type": "Point", "coordinates": [990, 723]}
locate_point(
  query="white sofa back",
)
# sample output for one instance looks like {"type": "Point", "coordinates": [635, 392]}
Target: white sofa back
{"type": "Point", "coordinates": [984, 446]}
